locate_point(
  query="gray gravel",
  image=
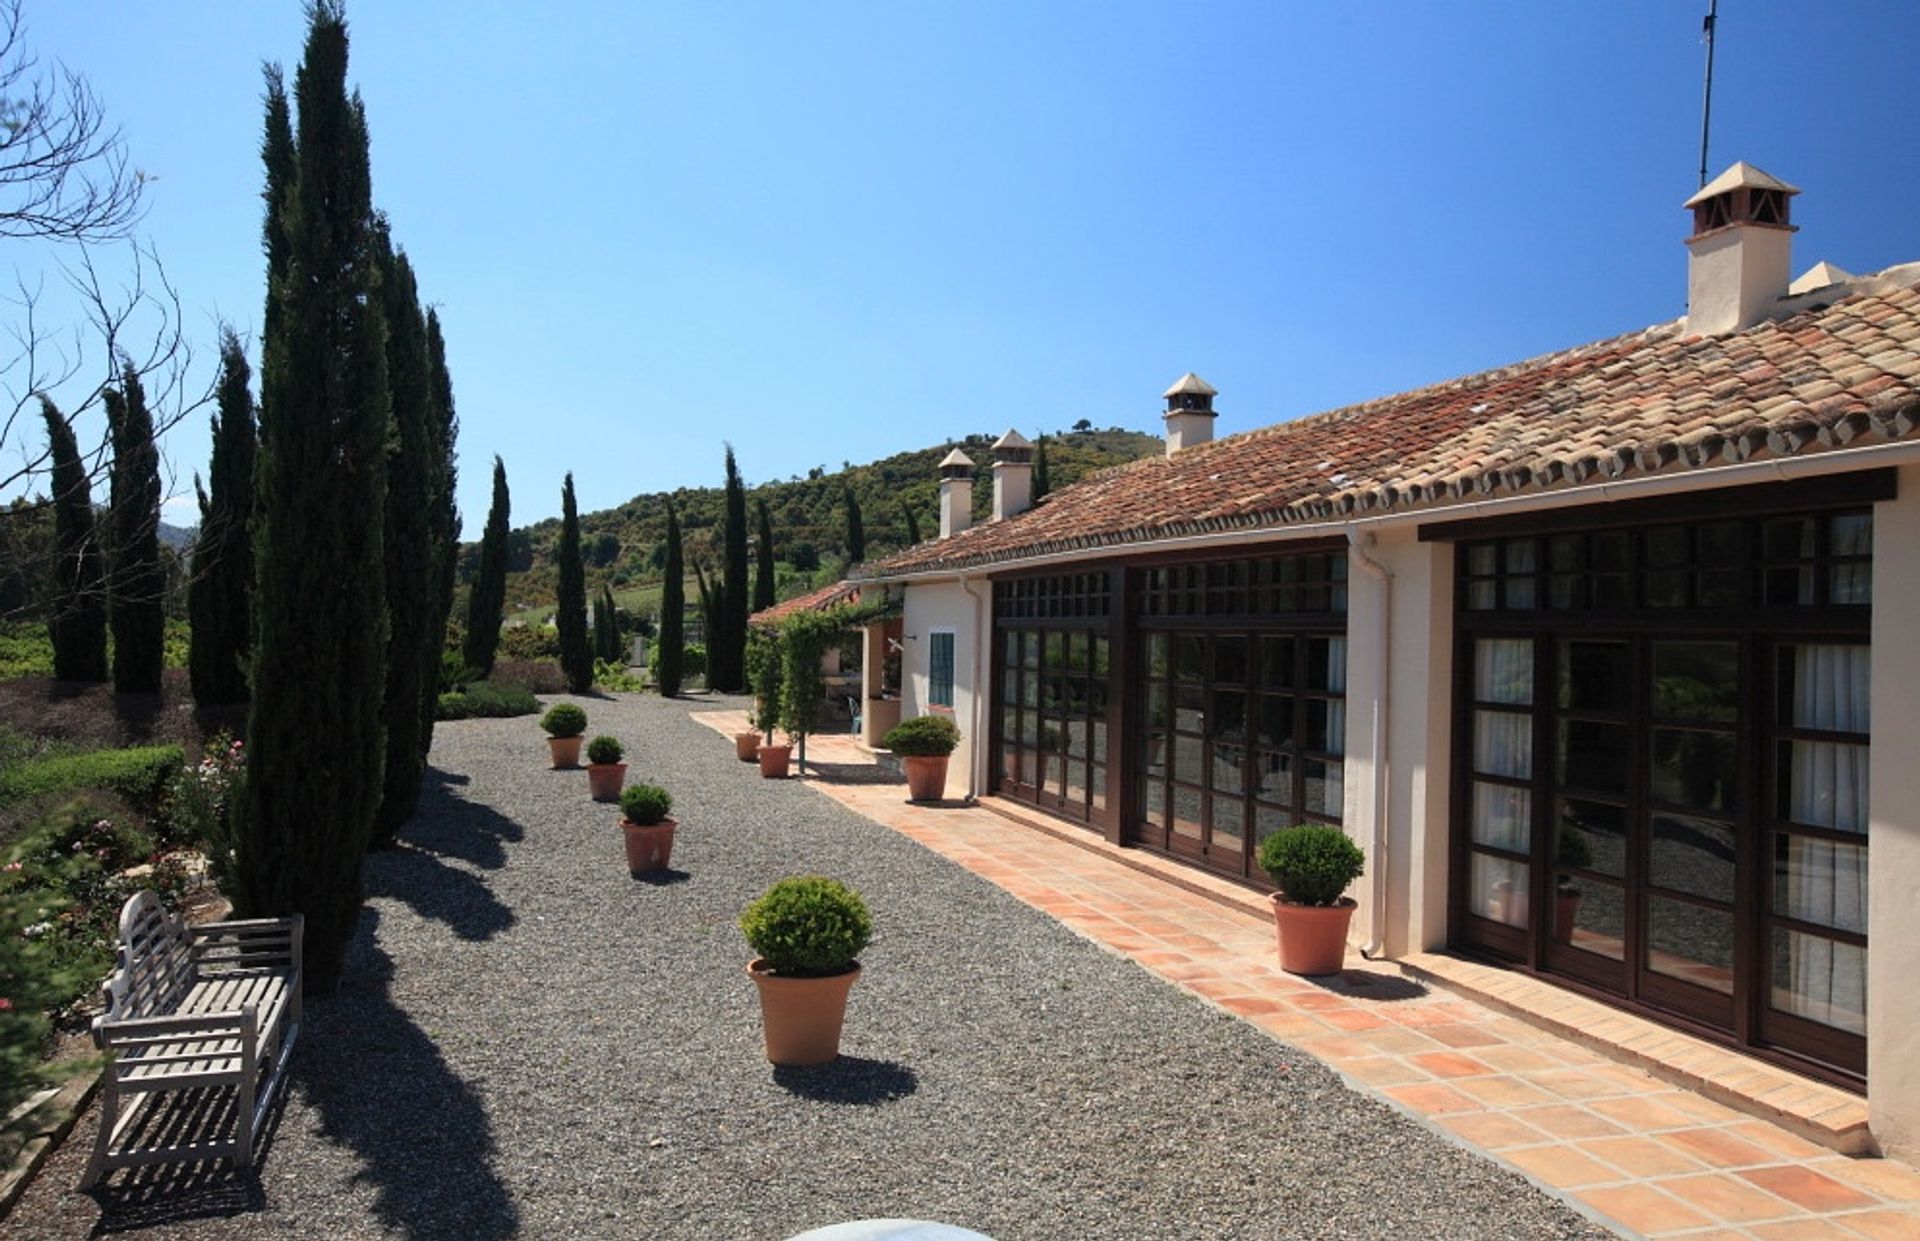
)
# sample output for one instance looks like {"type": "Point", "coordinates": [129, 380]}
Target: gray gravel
{"type": "Point", "coordinates": [531, 1043]}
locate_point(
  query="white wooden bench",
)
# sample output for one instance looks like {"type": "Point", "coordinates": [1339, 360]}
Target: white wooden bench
{"type": "Point", "coordinates": [192, 1008]}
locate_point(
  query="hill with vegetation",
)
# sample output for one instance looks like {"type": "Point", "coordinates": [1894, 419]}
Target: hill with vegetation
{"type": "Point", "coordinates": [624, 545]}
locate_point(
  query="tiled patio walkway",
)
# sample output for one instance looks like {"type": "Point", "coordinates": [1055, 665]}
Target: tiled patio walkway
{"type": "Point", "coordinates": [1646, 1158]}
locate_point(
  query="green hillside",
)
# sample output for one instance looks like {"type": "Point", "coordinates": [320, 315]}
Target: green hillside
{"type": "Point", "coordinates": [624, 544]}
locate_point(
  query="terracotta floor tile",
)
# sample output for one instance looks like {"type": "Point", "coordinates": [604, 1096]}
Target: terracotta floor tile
{"type": "Point", "coordinates": [1293, 1027]}
{"type": "Point", "coordinates": [1384, 1071]}
{"type": "Point", "coordinates": [1638, 1156]}
{"type": "Point", "coordinates": [1322, 1001]}
{"type": "Point", "coordinates": [1803, 1229]}
{"type": "Point", "coordinates": [1335, 1048]}
{"type": "Point", "coordinates": [1562, 1167]}
{"type": "Point", "coordinates": [1574, 1083]}
{"type": "Point", "coordinates": [1565, 1121]}
{"type": "Point", "coordinates": [1511, 1059]}
{"type": "Point", "coordinates": [1778, 1140]}
{"type": "Point", "coordinates": [1354, 1019]}
{"type": "Point", "coordinates": [1807, 1188]}
{"type": "Point", "coordinates": [1397, 1040]}
{"type": "Point", "coordinates": [1463, 1034]}
{"type": "Point", "coordinates": [1896, 1182]}
{"type": "Point", "coordinates": [1643, 1208]}
{"type": "Point", "coordinates": [1251, 1005]}
{"type": "Point", "coordinates": [1642, 1113]}
{"type": "Point", "coordinates": [1891, 1225]}
{"type": "Point", "coordinates": [1719, 1148]}
{"type": "Point", "coordinates": [1727, 1198]}
{"type": "Point", "coordinates": [1491, 1130]}
{"type": "Point", "coordinates": [1450, 1064]}
{"type": "Point", "coordinates": [1432, 1098]}
{"type": "Point", "coordinates": [1502, 1091]}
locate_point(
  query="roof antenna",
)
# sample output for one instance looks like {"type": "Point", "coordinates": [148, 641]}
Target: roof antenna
{"type": "Point", "coordinates": [1706, 100]}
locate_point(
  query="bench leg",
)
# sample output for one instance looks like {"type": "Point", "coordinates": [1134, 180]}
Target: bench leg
{"type": "Point", "coordinates": [109, 1118]}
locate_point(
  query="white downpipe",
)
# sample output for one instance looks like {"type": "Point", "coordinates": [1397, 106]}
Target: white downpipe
{"type": "Point", "coordinates": [1377, 920]}
{"type": "Point", "coordinates": [982, 632]}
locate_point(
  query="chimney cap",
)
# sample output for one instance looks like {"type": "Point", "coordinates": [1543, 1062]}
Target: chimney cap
{"type": "Point", "coordinates": [956, 458]}
{"type": "Point", "coordinates": [1191, 384]}
{"type": "Point", "coordinates": [1742, 176]}
{"type": "Point", "coordinates": [1012, 439]}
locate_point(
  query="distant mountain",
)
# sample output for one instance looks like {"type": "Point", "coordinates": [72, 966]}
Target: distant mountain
{"type": "Point", "coordinates": [179, 538]}
{"type": "Point", "coordinates": [625, 544]}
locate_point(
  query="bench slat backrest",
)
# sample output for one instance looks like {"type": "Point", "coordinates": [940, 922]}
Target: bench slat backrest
{"type": "Point", "coordinates": [153, 964]}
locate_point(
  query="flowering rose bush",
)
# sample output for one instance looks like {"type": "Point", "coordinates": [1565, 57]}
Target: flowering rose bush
{"type": "Point", "coordinates": [200, 799]}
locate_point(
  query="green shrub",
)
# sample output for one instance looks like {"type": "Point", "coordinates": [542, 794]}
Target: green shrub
{"type": "Point", "coordinates": [487, 700]}
{"type": "Point", "coordinates": [645, 804]}
{"type": "Point", "coordinates": [200, 798]}
{"type": "Point", "coordinates": [140, 775]}
{"type": "Point", "coordinates": [693, 661]}
{"type": "Point", "coordinates": [808, 926]}
{"type": "Point", "coordinates": [616, 677]}
{"type": "Point", "coordinates": [26, 650]}
{"type": "Point", "coordinates": [1312, 864]}
{"type": "Point", "coordinates": [528, 642]}
{"type": "Point", "coordinates": [603, 750]}
{"type": "Point", "coordinates": [923, 736]}
{"type": "Point", "coordinates": [455, 675]}
{"type": "Point", "coordinates": [542, 676]}
{"type": "Point", "coordinates": [564, 719]}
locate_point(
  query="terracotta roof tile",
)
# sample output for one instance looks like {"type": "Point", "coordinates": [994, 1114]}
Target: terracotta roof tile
{"type": "Point", "coordinates": [814, 600]}
{"type": "Point", "coordinates": [1846, 372]}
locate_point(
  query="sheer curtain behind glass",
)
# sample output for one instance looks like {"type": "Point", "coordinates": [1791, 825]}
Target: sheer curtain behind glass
{"type": "Point", "coordinates": [1502, 746]}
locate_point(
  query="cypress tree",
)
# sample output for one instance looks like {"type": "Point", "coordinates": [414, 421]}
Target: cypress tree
{"type": "Point", "coordinates": [138, 582]}
{"type": "Point", "coordinates": [408, 538]}
{"type": "Point", "coordinates": [77, 623]}
{"type": "Point", "coordinates": [219, 596]}
{"type": "Point", "coordinates": [316, 745]}
{"type": "Point", "coordinates": [576, 657]}
{"type": "Point", "coordinates": [443, 521]}
{"type": "Point", "coordinates": [727, 647]}
{"type": "Point", "coordinates": [489, 597]}
{"type": "Point", "coordinates": [913, 526]}
{"type": "Point", "coordinates": [764, 586]}
{"type": "Point", "coordinates": [607, 626]}
{"type": "Point", "coordinates": [673, 609]}
{"type": "Point", "coordinates": [856, 530]}
{"type": "Point", "coordinates": [1042, 483]}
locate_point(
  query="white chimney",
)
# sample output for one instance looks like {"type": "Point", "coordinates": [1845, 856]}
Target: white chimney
{"type": "Point", "coordinates": [1740, 251]}
{"type": "Point", "coordinates": [956, 493]}
{"type": "Point", "coordinates": [1012, 475]}
{"type": "Point", "coordinates": [1189, 412]}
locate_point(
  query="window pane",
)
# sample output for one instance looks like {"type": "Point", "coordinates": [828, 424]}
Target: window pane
{"type": "Point", "coordinates": [1503, 744]}
{"type": "Point", "coordinates": [1820, 881]}
{"type": "Point", "coordinates": [1593, 756]}
{"type": "Point", "coordinates": [1693, 855]}
{"type": "Point", "coordinates": [1230, 660]}
{"type": "Point", "coordinates": [1851, 534]}
{"type": "Point", "coordinates": [1695, 768]}
{"type": "Point", "coordinates": [1594, 676]}
{"type": "Point", "coordinates": [1186, 811]}
{"type": "Point", "coordinates": [1156, 754]}
{"type": "Point", "coordinates": [1229, 717]}
{"type": "Point", "coordinates": [1276, 662]}
{"type": "Point", "coordinates": [1327, 664]}
{"type": "Point", "coordinates": [1187, 758]}
{"type": "Point", "coordinates": [1482, 558]}
{"type": "Point", "coordinates": [1501, 816]}
{"type": "Point", "coordinates": [1189, 657]}
{"type": "Point", "coordinates": [1228, 771]}
{"type": "Point", "coordinates": [1189, 707]}
{"type": "Point", "coordinates": [1099, 787]}
{"type": "Point", "coordinates": [1827, 687]}
{"type": "Point", "coordinates": [1503, 670]}
{"type": "Point", "coordinates": [1156, 654]}
{"type": "Point", "coordinates": [1788, 539]}
{"type": "Point", "coordinates": [1229, 823]}
{"type": "Point", "coordinates": [1157, 714]}
{"type": "Point", "coordinates": [1696, 681]}
{"type": "Point", "coordinates": [1273, 720]}
{"type": "Point", "coordinates": [1852, 583]}
{"type": "Point", "coordinates": [1326, 789]}
{"type": "Point", "coordinates": [1154, 803]}
{"type": "Point", "coordinates": [1820, 979]}
{"type": "Point", "coordinates": [1497, 889]}
{"type": "Point", "coordinates": [1592, 836]}
{"type": "Point", "coordinates": [1269, 819]}
{"type": "Point", "coordinates": [1591, 917]}
{"type": "Point", "coordinates": [1691, 943]}
{"type": "Point", "coordinates": [1273, 779]}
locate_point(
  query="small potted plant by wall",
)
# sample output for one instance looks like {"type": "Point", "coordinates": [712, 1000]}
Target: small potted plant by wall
{"type": "Point", "coordinates": [605, 772]}
{"type": "Point", "coordinates": [1571, 851]}
{"type": "Point", "coordinates": [1312, 864]}
{"type": "Point", "coordinates": [924, 743]}
{"type": "Point", "coordinates": [564, 723]}
{"type": "Point", "coordinates": [648, 830]}
{"type": "Point", "coordinates": [765, 656]}
{"type": "Point", "coordinates": [809, 932]}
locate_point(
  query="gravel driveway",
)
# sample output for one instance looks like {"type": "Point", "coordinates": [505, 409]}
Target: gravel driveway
{"type": "Point", "coordinates": [531, 1043]}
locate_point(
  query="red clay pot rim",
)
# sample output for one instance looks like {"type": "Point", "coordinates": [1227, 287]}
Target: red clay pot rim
{"type": "Point", "coordinates": [631, 826]}
{"type": "Point", "coordinates": [758, 968]}
{"type": "Point", "coordinates": [1345, 902]}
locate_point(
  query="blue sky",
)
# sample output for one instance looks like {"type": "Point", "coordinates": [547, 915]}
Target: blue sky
{"type": "Point", "coordinates": [831, 231]}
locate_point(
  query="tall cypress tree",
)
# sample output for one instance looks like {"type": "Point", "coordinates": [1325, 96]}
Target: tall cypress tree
{"type": "Point", "coordinates": [673, 611]}
{"type": "Point", "coordinates": [607, 626]}
{"type": "Point", "coordinates": [570, 615]}
{"type": "Point", "coordinates": [316, 746]}
{"type": "Point", "coordinates": [219, 596]}
{"type": "Point", "coordinates": [138, 582]}
{"type": "Point", "coordinates": [489, 598]}
{"type": "Point", "coordinates": [727, 648]}
{"type": "Point", "coordinates": [443, 521]}
{"type": "Point", "coordinates": [764, 586]}
{"type": "Point", "coordinates": [913, 525]}
{"type": "Point", "coordinates": [856, 529]}
{"type": "Point", "coordinates": [77, 624]}
{"type": "Point", "coordinates": [1042, 481]}
{"type": "Point", "coordinates": [407, 539]}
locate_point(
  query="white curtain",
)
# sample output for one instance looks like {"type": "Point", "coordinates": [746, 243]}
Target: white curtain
{"type": "Point", "coordinates": [1826, 882]}
{"type": "Point", "coordinates": [1503, 670]}
{"type": "Point", "coordinates": [1497, 889]}
{"type": "Point", "coordinates": [1337, 708]}
{"type": "Point", "coordinates": [1503, 744]}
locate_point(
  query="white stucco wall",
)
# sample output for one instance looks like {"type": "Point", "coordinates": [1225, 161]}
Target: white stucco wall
{"type": "Point", "coordinates": [947, 605]}
{"type": "Point", "coordinates": [1893, 832]}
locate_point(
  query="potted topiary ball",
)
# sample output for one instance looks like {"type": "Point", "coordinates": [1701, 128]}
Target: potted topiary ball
{"type": "Point", "coordinates": [1312, 864]}
{"type": "Point", "coordinates": [605, 772]}
{"type": "Point", "coordinates": [808, 932]}
{"type": "Point", "coordinates": [564, 723]}
{"type": "Point", "coordinates": [648, 830]}
{"type": "Point", "coordinates": [924, 743]}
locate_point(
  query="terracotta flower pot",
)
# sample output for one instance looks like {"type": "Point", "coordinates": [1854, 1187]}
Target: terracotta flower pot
{"type": "Point", "coordinates": [648, 848]}
{"type": "Point", "coordinates": [1566, 907]}
{"type": "Point", "coordinates": [604, 780]}
{"type": "Point", "coordinates": [1313, 938]}
{"type": "Point", "coordinates": [802, 1016]}
{"type": "Point", "coordinates": [746, 746]}
{"type": "Point", "coordinates": [773, 760]}
{"type": "Point", "coordinates": [926, 776]}
{"type": "Point", "coordinates": [566, 752]}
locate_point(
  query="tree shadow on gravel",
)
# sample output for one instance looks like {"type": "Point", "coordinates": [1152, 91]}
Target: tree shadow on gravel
{"type": "Point", "coordinates": [852, 1080]}
{"type": "Point", "coordinates": [452, 826]}
{"type": "Point", "coordinates": [853, 773]}
{"type": "Point", "coordinates": [447, 826]}
{"type": "Point", "coordinates": [379, 1086]}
